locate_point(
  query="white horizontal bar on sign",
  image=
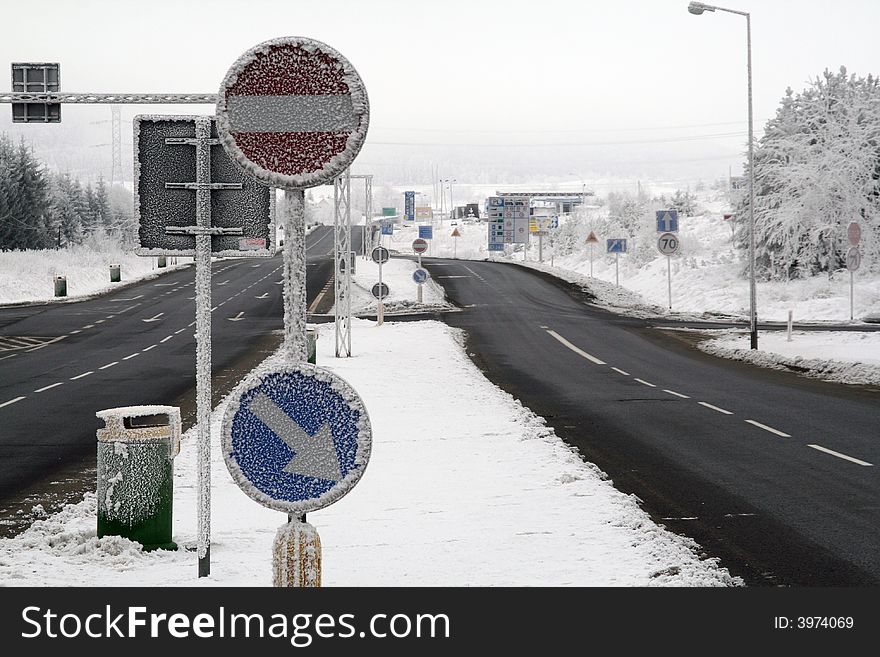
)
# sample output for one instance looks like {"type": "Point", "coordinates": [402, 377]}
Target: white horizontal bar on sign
{"type": "Point", "coordinates": [334, 113]}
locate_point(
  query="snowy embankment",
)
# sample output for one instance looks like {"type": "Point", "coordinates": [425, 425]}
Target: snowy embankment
{"type": "Point", "coordinates": [29, 276]}
{"type": "Point", "coordinates": [453, 496]}
{"type": "Point", "coordinates": [397, 275]}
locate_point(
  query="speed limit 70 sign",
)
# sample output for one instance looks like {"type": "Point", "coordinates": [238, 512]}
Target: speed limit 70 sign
{"type": "Point", "coordinates": [667, 244]}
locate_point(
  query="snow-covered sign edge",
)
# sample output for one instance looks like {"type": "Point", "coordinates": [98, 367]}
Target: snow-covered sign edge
{"type": "Point", "coordinates": [338, 163]}
{"type": "Point", "coordinates": [364, 439]}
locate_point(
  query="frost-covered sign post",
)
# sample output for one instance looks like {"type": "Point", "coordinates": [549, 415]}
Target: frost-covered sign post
{"type": "Point", "coordinates": [380, 256]}
{"type": "Point", "coordinates": [294, 113]}
{"type": "Point", "coordinates": [853, 260]}
{"type": "Point", "coordinates": [296, 439]}
{"type": "Point", "coordinates": [181, 176]}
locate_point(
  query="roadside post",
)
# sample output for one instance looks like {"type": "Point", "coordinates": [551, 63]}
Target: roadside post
{"type": "Point", "coordinates": [293, 113]}
{"type": "Point", "coordinates": [616, 246]}
{"type": "Point", "coordinates": [592, 240]}
{"type": "Point", "coordinates": [853, 261]}
{"type": "Point", "coordinates": [380, 256]}
{"type": "Point", "coordinates": [455, 235]}
{"type": "Point", "coordinates": [296, 439]}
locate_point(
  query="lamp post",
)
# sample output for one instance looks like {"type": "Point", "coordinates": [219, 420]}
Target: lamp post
{"type": "Point", "coordinates": [451, 207]}
{"type": "Point", "coordinates": [698, 8]}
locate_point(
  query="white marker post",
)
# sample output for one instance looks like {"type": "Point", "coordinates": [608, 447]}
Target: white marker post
{"type": "Point", "coordinates": [790, 322]}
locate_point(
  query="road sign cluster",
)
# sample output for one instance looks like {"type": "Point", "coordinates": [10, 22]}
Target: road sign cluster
{"type": "Point", "coordinates": [508, 219]}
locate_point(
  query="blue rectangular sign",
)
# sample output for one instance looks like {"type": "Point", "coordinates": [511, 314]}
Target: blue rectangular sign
{"type": "Point", "coordinates": [387, 228]}
{"type": "Point", "coordinates": [409, 206]}
{"type": "Point", "coordinates": [667, 221]}
{"type": "Point", "coordinates": [617, 246]}
{"type": "Point", "coordinates": [494, 246]}
{"type": "Point", "coordinates": [426, 232]}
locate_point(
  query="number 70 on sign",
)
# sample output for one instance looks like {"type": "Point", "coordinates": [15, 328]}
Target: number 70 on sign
{"type": "Point", "coordinates": [668, 244]}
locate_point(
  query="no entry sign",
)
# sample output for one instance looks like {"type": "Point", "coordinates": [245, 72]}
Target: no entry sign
{"type": "Point", "coordinates": [292, 112]}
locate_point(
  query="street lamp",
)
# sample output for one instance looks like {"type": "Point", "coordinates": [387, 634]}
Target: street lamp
{"type": "Point", "coordinates": [451, 207]}
{"type": "Point", "coordinates": [698, 8]}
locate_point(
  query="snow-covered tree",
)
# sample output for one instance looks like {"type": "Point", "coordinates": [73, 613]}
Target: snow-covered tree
{"type": "Point", "coordinates": [817, 168]}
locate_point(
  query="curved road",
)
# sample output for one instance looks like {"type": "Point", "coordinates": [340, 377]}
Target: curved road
{"type": "Point", "coordinates": [774, 473]}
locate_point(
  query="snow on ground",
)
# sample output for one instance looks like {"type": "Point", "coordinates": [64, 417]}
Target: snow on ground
{"type": "Point", "coordinates": [397, 275]}
{"type": "Point", "coordinates": [838, 356]}
{"type": "Point", "coordinates": [453, 496]}
{"type": "Point", "coordinates": [28, 276]}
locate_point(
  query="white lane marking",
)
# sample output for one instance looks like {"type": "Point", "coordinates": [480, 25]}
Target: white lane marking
{"type": "Point", "coordinates": [237, 318]}
{"type": "Point", "coordinates": [154, 318]}
{"type": "Point", "coordinates": [11, 401]}
{"type": "Point", "coordinates": [191, 324]}
{"type": "Point", "coordinates": [131, 299]}
{"type": "Point", "coordinates": [645, 383]}
{"type": "Point", "coordinates": [166, 339]}
{"type": "Point", "coordinates": [545, 327]}
{"type": "Point", "coordinates": [452, 277]}
{"type": "Point", "coordinates": [620, 371]}
{"type": "Point", "coordinates": [100, 321]}
{"type": "Point", "coordinates": [152, 346]}
{"type": "Point", "coordinates": [214, 308]}
{"type": "Point", "coordinates": [80, 376]}
{"type": "Point", "coordinates": [110, 316]}
{"type": "Point", "coordinates": [770, 429]}
{"type": "Point", "coordinates": [677, 394]}
{"type": "Point", "coordinates": [75, 332]}
{"type": "Point", "coordinates": [715, 408]}
{"type": "Point", "coordinates": [46, 344]}
{"type": "Point", "coordinates": [54, 385]}
{"type": "Point", "coordinates": [224, 282]}
{"type": "Point", "coordinates": [575, 349]}
{"type": "Point", "coordinates": [131, 356]}
{"type": "Point", "coordinates": [104, 367]}
{"type": "Point", "coordinates": [9, 356]}
{"type": "Point", "coordinates": [839, 455]}
{"type": "Point", "coordinates": [88, 326]}
{"type": "Point", "coordinates": [179, 331]}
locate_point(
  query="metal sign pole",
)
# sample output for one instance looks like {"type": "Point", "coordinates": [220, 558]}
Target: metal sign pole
{"type": "Point", "coordinates": [617, 268]}
{"type": "Point", "coordinates": [851, 313]}
{"type": "Point", "coordinates": [295, 276]}
{"type": "Point", "coordinates": [203, 342]}
{"type": "Point", "coordinates": [591, 260]}
{"type": "Point", "coordinates": [342, 268]}
{"type": "Point", "coordinates": [380, 311]}
{"type": "Point", "coordinates": [669, 278]}
{"type": "Point", "coordinates": [540, 248]}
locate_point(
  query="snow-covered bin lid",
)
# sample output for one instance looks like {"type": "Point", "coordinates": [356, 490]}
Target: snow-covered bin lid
{"type": "Point", "coordinates": [142, 424]}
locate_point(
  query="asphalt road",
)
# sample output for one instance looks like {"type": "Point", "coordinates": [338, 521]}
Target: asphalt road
{"type": "Point", "coordinates": [766, 470]}
{"type": "Point", "coordinates": [134, 346]}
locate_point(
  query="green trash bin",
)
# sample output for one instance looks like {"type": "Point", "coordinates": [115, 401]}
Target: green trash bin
{"type": "Point", "coordinates": [136, 451]}
{"type": "Point", "coordinates": [312, 345]}
{"type": "Point", "coordinates": [61, 286]}
{"type": "Point", "coordinates": [115, 274]}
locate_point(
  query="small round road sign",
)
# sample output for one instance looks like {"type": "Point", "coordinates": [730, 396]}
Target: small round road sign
{"type": "Point", "coordinates": [296, 439]}
{"type": "Point", "coordinates": [667, 244]}
{"type": "Point", "coordinates": [380, 291]}
{"type": "Point", "coordinates": [419, 245]}
{"type": "Point", "coordinates": [420, 276]}
{"type": "Point", "coordinates": [853, 258]}
{"type": "Point", "coordinates": [854, 233]}
{"type": "Point", "coordinates": [292, 112]}
{"type": "Point", "coordinates": [380, 255]}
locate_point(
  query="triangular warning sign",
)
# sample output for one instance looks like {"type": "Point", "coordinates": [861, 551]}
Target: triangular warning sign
{"type": "Point", "coordinates": [455, 233]}
{"type": "Point", "coordinates": [592, 239]}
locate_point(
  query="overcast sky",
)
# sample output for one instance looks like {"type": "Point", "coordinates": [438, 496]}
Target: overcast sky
{"type": "Point", "coordinates": [480, 72]}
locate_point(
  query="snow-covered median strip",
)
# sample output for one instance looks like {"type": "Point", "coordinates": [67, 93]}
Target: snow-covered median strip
{"type": "Point", "coordinates": [837, 356]}
{"type": "Point", "coordinates": [465, 487]}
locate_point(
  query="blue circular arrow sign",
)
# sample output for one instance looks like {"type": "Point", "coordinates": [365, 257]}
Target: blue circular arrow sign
{"type": "Point", "coordinates": [297, 438]}
{"type": "Point", "coordinates": [420, 276]}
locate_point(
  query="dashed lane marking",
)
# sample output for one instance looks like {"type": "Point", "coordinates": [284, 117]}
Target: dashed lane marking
{"type": "Point", "coordinates": [49, 387]}
{"type": "Point", "coordinates": [714, 408]}
{"type": "Point", "coordinates": [770, 429]}
{"type": "Point", "coordinates": [152, 346]}
{"type": "Point", "coordinates": [109, 365]}
{"type": "Point", "coordinates": [620, 371]}
{"type": "Point", "coordinates": [12, 401]}
{"type": "Point", "coordinates": [81, 376]}
{"type": "Point", "coordinates": [677, 394]}
{"type": "Point", "coordinates": [578, 351]}
{"type": "Point", "coordinates": [131, 356]}
{"type": "Point", "coordinates": [839, 455]}
{"type": "Point", "coordinates": [645, 383]}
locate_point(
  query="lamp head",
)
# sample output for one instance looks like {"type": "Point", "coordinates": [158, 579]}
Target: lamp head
{"type": "Point", "coordinates": [698, 8]}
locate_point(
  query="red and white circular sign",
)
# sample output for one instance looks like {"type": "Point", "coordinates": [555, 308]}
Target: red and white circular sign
{"type": "Point", "coordinates": [292, 112]}
{"type": "Point", "coordinates": [419, 245]}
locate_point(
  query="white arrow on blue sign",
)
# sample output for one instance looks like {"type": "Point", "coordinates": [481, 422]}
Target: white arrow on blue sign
{"type": "Point", "coordinates": [297, 438]}
{"type": "Point", "coordinates": [617, 245]}
{"type": "Point", "coordinates": [667, 221]}
{"type": "Point", "coordinates": [420, 276]}
{"type": "Point", "coordinates": [426, 232]}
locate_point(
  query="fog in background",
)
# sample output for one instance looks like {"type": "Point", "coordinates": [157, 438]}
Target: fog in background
{"type": "Point", "coordinates": [566, 93]}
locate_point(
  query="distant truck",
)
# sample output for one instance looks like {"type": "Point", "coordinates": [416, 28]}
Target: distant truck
{"type": "Point", "coordinates": [462, 211]}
